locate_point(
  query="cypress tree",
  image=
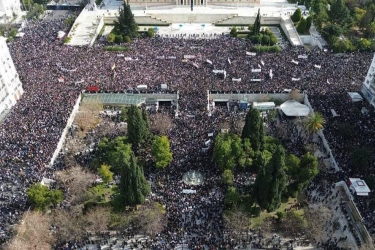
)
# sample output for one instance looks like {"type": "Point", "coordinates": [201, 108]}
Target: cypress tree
{"type": "Point", "coordinates": [271, 181]}
{"type": "Point", "coordinates": [125, 24]}
{"type": "Point", "coordinates": [137, 128]}
{"type": "Point", "coordinates": [254, 130]}
{"type": "Point", "coordinates": [133, 184]}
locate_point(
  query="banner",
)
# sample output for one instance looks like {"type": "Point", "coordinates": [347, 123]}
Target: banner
{"type": "Point", "coordinates": [160, 57]}
{"type": "Point", "coordinates": [251, 53]}
{"type": "Point", "coordinates": [189, 191]}
{"type": "Point", "coordinates": [229, 61]}
{"type": "Point", "coordinates": [189, 56]}
{"type": "Point", "coordinates": [208, 61]}
{"type": "Point", "coordinates": [236, 79]}
{"type": "Point", "coordinates": [295, 62]}
{"type": "Point", "coordinates": [261, 61]}
{"type": "Point", "coordinates": [271, 74]}
{"type": "Point", "coordinates": [171, 57]}
{"type": "Point", "coordinates": [120, 55]}
{"type": "Point", "coordinates": [210, 134]}
{"type": "Point", "coordinates": [302, 57]}
{"type": "Point", "coordinates": [256, 70]}
{"type": "Point", "coordinates": [113, 66]}
{"type": "Point", "coordinates": [259, 66]}
{"type": "Point", "coordinates": [317, 66]}
{"type": "Point", "coordinates": [255, 80]}
{"type": "Point", "coordinates": [196, 65]}
{"type": "Point", "coordinates": [295, 79]}
{"type": "Point", "coordinates": [128, 59]}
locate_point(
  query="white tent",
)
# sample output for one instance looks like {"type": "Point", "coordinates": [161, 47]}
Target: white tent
{"type": "Point", "coordinates": [359, 186]}
{"type": "Point", "coordinates": [294, 108]}
{"type": "Point", "coordinates": [355, 96]}
{"type": "Point", "coordinates": [60, 34]}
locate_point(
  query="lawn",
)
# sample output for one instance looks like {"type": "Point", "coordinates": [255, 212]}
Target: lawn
{"type": "Point", "coordinates": [257, 221]}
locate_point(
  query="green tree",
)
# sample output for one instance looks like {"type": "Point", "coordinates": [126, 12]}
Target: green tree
{"type": "Point", "coordinates": [321, 15]}
{"type": "Point", "coordinates": [363, 44]}
{"type": "Point", "coordinates": [254, 130]}
{"type": "Point", "coordinates": [228, 151]}
{"type": "Point", "coordinates": [150, 32]}
{"type": "Point", "coordinates": [340, 14]}
{"type": "Point", "coordinates": [273, 39]}
{"type": "Point", "coordinates": [256, 26]}
{"type": "Point", "coordinates": [105, 173]}
{"type": "Point", "coordinates": [308, 23]}
{"type": "Point", "coordinates": [40, 197]}
{"type": "Point", "coordinates": [361, 158]}
{"type": "Point", "coordinates": [358, 15]}
{"type": "Point", "coordinates": [297, 15]}
{"type": "Point", "coordinates": [331, 30]}
{"type": "Point", "coordinates": [137, 127]}
{"type": "Point", "coordinates": [125, 24]}
{"type": "Point", "coordinates": [308, 169]}
{"type": "Point", "coordinates": [231, 198]}
{"type": "Point", "coordinates": [114, 153]}
{"type": "Point", "coordinates": [301, 27]}
{"type": "Point", "coordinates": [265, 39]}
{"type": "Point", "coordinates": [233, 32]}
{"type": "Point", "coordinates": [271, 181]}
{"type": "Point", "coordinates": [161, 151]}
{"type": "Point", "coordinates": [370, 30]}
{"type": "Point", "coordinates": [227, 177]}
{"type": "Point", "coordinates": [133, 185]}
{"type": "Point", "coordinates": [315, 122]}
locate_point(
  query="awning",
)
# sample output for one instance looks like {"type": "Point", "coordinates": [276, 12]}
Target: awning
{"type": "Point", "coordinates": [294, 108]}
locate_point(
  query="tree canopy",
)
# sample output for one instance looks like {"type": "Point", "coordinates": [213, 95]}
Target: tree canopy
{"type": "Point", "coordinates": [161, 151]}
{"type": "Point", "coordinates": [105, 173]}
{"type": "Point", "coordinates": [40, 197]}
{"type": "Point", "coordinates": [228, 151]}
{"type": "Point", "coordinates": [315, 122]}
{"type": "Point", "coordinates": [254, 130]}
{"type": "Point", "coordinates": [138, 127]}
{"type": "Point", "coordinates": [125, 25]}
{"type": "Point", "coordinates": [271, 181]}
{"type": "Point", "coordinates": [133, 185]}
{"type": "Point", "coordinates": [114, 153]}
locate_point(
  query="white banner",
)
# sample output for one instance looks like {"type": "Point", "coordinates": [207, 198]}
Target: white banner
{"type": "Point", "coordinates": [210, 134]}
{"type": "Point", "coordinates": [171, 57]}
{"type": "Point", "coordinates": [256, 70]}
{"type": "Point", "coordinates": [317, 66]}
{"type": "Point", "coordinates": [271, 74]}
{"type": "Point", "coordinates": [120, 55]}
{"type": "Point", "coordinates": [189, 56]}
{"type": "Point", "coordinates": [251, 53]}
{"type": "Point", "coordinates": [189, 191]}
{"type": "Point", "coordinates": [261, 61]}
{"type": "Point", "coordinates": [295, 79]}
{"type": "Point", "coordinates": [196, 65]}
{"type": "Point", "coordinates": [128, 59]}
{"type": "Point", "coordinates": [302, 56]}
{"type": "Point", "coordinates": [229, 61]}
{"type": "Point", "coordinates": [295, 62]}
{"type": "Point", "coordinates": [236, 79]}
{"type": "Point", "coordinates": [255, 80]}
{"type": "Point", "coordinates": [160, 57]}
{"type": "Point", "coordinates": [208, 61]}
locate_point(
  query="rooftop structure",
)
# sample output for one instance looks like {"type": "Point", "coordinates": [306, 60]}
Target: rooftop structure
{"type": "Point", "coordinates": [368, 87]}
{"type": "Point", "coordinates": [10, 84]}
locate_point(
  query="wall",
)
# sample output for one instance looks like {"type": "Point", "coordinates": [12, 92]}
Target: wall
{"type": "Point", "coordinates": [65, 131]}
{"type": "Point", "coordinates": [332, 159]}
{"type": "Point", "coordinates": [97, 31]}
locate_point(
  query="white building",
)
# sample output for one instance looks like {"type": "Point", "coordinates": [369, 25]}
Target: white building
{"type": "Point", "coordinates": [368, 87]}
{"type": "Point", "coordinates": [8, 8]}
{"type": "Point", "coordinates": [10, 84]}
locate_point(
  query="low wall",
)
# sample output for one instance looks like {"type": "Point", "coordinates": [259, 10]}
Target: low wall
{"type": "Point", "coordinates": [65, 131]}
{"type": "Point", "coordinates": [332, 159]}
{"type": "Point", "coordinates": [97, 31]}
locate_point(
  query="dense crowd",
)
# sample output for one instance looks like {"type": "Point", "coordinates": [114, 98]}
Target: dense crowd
{"type": "Point", "coordinates": [53, 75]}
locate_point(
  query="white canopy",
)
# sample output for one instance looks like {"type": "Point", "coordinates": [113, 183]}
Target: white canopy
{"type": "Point", "coordinates": [294, 108]}
{"type": "Point", "coordinates": [359, 186]}
{"type": "Point", "coordinates": [355, 96]}
{"type": "Point", "coordinates": [60, 34]}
